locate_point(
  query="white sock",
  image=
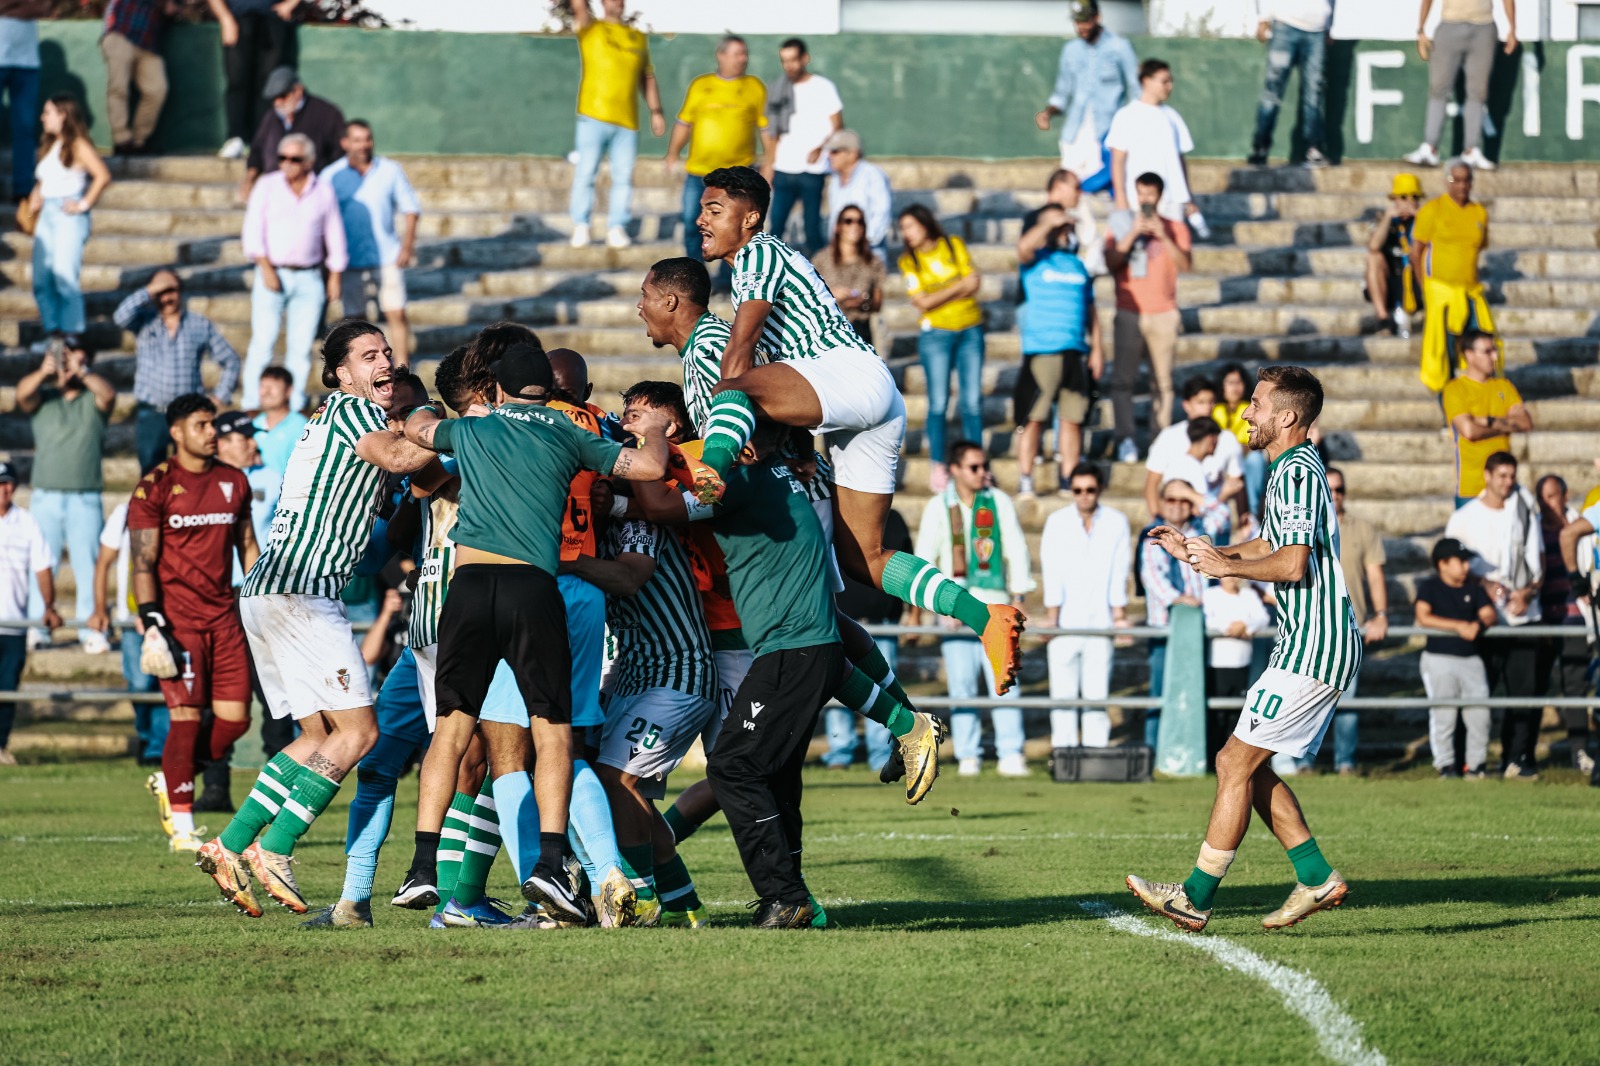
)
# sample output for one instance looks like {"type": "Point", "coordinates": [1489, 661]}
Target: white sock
{"type": "Point", "coordinates": [183, 822]}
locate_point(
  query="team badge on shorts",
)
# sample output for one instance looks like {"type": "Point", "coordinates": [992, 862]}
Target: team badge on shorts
{"type": "Point", "coordinates": [343, 677]}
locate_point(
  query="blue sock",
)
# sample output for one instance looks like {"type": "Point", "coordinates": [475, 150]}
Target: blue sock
{"type": "Point", "coordinates": [589, 824]}
{"type": "Point", "coordinates": [371, 813]}
{"type": "Point", "coordinates": [519, 821]}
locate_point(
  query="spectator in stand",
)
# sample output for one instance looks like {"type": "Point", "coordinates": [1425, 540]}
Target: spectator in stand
{"type": "Point", "coordinates": [129, 44]}
{"type": "Point", "coordinates": [1483, 410]}
{"type": "Point", "coordinates": [1462, 44]}
{"type": "Point", "coordinates": [1062, 355]}
{"type": "Point", "coordinates": [1148, 136]}
{"type": "Point", "coordinates": [1085, 558]}
{"type": "Point", "coordinates": [69, 405]}
{"type": "Point", "coordinates": [616, 69]}
{"type": "Point", "coordinates": [854, 273]}
{"type": "Point", "coordinates": [1145, 255]}
{"type": "Point", "coordinates": [294, 111]}
{"type": "Point", "coordinates": [1501, 527]}
{"type": "Point", "coordinates": [1063, 203]}
{"type": "Point", "coordinates": [236, 446]}
{"type": "Point", "coordinates": [1096, 76]}
{"type": "Point", "coordinates": [257, 38]}
{"type": "Point", "coordinates": [944, 284]}
{"type": "Point", "coordinates": [19, 80]}
{"type": "Point", "coordinates": [1233, 608]}
{"type": "Point", "coordinates": [869, 606]}
{"type": "Point", "coordinates": [1229, 414]}
{"type": "Point", "coordinates": [1361, 559]}
{"type": "Point", "coordinates": [150, 720]}
{"type": "Point", "coordinates": [853, 180]}
{"type": "Point", "coordinates": [1454, 602]}
{"type": "Point", "coordinates": [803, 113]}
{"type": "Point", "coordinates": [1296, 35]}
{"type": "Point", "coordinates": [970, 531]}
{"type": "Point", "coordinates": [293, 233]}
{"type": "Point", "coordinates": [278, 426]}
{"type": "Point", "coordinates": [169, 342]}
{"type": "Point", "coordinates": [380, 211]}
{"type": "Point", "coordinates": [1394, 287]}
{"type": "Point", "coordinates": [69, 179]}
{"type": "Point", "coordinates": [1169, 583]}
{"type": "Point", "coordinates": [1450, 234]}
{"type": "Point", "coordinates": [1567, 658]}
{"type": "Point", "coordinates": [721, 115]}
{"type": "Point", "coordinates": [1581, 559]}
{"type": "Point", "coordinates": [1223, 468]}
{"type": "Point", "coordinates": [24, 559]}
{"type": "Point", "coordinates": [1193, 468]}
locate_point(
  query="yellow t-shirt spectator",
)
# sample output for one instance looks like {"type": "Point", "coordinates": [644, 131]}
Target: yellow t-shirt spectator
{"type": "Point", "coordinates": [931, 271]}
{"type": "Point", "coordinates": [1482, 399]}
{"type": "Point", "coordinates": [615, 60]}
{"type": "Point", "coordinates": [1233, 421]}
{"type": "Point", "coordinates": [725, 115]}
{"type": "Point", "coordinates": [1455, 236]}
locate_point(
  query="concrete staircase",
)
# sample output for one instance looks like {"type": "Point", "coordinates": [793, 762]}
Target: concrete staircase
{"type": "Point", "coordinates": [1280, 280]}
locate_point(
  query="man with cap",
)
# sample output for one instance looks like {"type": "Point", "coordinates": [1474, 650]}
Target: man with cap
{"type": "Point", "coordinates": [257, 36]}
{"type": "Point", "coordinates": [1455, 603]}
{"type": "Point", "coordinates": [237, 447]}
{"type": "Point", "coordinates": [1096, 76]}
{"type": "Point", "coordinates": [24, 559]}
{"type": "Point", "coordinates": [863, 184]}
{"type": "Point", "coordinates": [1393, 287]}
{"type": "Point", "coordinates": [1296, 35]}
{"type": "Point", "coordinates": [293, 111]}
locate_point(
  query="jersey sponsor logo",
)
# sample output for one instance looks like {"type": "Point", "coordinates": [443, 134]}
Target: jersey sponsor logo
{"type": "Point", "coordinates": [432, 570]}
{"type": "Point", "coordinates": [189, 521]}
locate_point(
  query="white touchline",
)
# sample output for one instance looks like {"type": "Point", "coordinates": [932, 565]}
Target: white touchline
{"type": "Point", "coordinates": [1338, 1034]}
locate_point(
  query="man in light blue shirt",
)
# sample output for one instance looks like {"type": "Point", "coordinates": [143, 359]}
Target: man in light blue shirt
{"type": "Point", "coordinates": [278, 428]}
{"type": "Point", "coordinates": [855, 181]}
{"type": "Point", "coordinates": [237, 447]}
{"type": "Point", "coordinates": [373, 191]}
{"type": "Point", "coordinates": [1097, 75]}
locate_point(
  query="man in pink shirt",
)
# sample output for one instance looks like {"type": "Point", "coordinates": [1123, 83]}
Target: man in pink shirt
{"type": "Point", "coordinates": [295, 236]}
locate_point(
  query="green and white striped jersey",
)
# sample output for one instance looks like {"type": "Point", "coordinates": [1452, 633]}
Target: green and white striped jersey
{"type": "Point", "coordinates": [805, 320]}
{"type": "Point", "coordinates": [325, 512]}
{"type": "Point", "coordinates": [702, 365]}
{"type": "Point", "coordinates": [660, 634]}
{"type": "Point", "coordinates": [438, 562]}
{"type": "Point", "coordinates": [1317, 634]}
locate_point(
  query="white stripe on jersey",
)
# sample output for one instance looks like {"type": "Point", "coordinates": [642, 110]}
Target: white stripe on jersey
{"type": "Point", "coordinates": [805, 320]}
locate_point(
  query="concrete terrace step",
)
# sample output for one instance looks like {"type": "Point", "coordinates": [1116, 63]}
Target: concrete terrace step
{"type": "Point", "coordinates": [1285, 233]}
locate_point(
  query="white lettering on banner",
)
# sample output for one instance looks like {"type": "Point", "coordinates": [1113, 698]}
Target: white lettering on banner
{"type": "Point", "coordinates": [188, 521]}
{"type": "Point", "coordinates": [1368, 96]}
{"type": "Point", "coordinates": [1532, 117]}
{"type": "Point", "coordinates": [1579, 93]}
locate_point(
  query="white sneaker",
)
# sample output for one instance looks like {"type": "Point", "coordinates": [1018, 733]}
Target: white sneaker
{"type": "Point", "coordinates": [38, 638]}
{"type": "Point", "coordinates": [1024, 486]}
{"type": "Point", "coordinates": [1424, 156]}
{"type": "Point", "coordinates": [232, 148]}
{"type": "Point", "coordinates": [1202, 229]}
{"type": "Point", "coordinates": [1013, 766]}
{"type": "Point", "coordinates": [94, 642]}
{"type": "Point", "coordinates": [1127, 451]}
{"type": "Point", "coordinates": [580, 237]}
{"type": "Point", "coordinates": [617, 237]}
{"type": "Point", "coordinates": [969, 767]}
{"type": "Point", "coordinates": [1477, 160]}
{"type": "Point", "coordinates": [1402, 324]}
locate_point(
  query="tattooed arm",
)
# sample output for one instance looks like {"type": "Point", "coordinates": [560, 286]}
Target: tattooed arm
{"type": "Point", "coordinates": [146, 546]}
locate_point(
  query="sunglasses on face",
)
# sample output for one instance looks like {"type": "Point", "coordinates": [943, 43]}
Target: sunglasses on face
{"type": "Point", "coordinates": [1085, 490]}
{"type": "Point", "coordinates": [291, 159]}
{"type": "Point", "coordinates": [833, 150]}
{"type": "Point", "coordinates": [1337, 490]}
{"type": "Point", "coordinates": [164, 293]}
{"type": "Point", "coordinates": [852, 222]}
{"type": "Point", "coordinates": [1173, 499]}
{"type": "Point", "coordinates": [975, 466]}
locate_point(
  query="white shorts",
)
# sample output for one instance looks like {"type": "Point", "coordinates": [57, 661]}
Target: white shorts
{"type": "Point", "coordinates": [732, 665]}
{"type": "Point", "coordinates": [863, 417]}
{"type": "Point", "coordinates": [385, 286]}
{"type": "Point", "coordinates": [648, 734]}
{"type": "Point", "coordinates": [427, 665]}
{"type": "Point", "coordinates": [1287, 713]}
{"type": "Point", "coordinates": [306, 657]}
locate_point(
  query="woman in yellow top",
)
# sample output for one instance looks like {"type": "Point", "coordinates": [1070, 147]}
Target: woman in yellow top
{"type": "Point", "coordinates": [1235, 393]}
{"type": "Point", "coordinates": [943, 283]}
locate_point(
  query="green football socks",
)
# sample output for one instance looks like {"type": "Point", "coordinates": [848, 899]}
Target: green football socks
{"type": "Point", "coordinates": [453, 846]}
{"type": "Point", "coordinates": [311, 796]}
{"type": "Point", "coordinates": [638, 865]}
{"type": "Point", "coordinates": [1310, 868]}
{"type": "Point", "coordinates": [865, 698]}
{"type": "Point", "coordinates": [1209, 870]}
{"type": "Point", "coordinates": [675, 886]}
{"type": "Point", "coordinates": [273, 786]}
{"type": "Point", "coordinates": [682, 828]}
{"type": "Point", "coordinates": [878, 670]}
{"type": "Point", "coordinates": [729, 424]}
{"type": "Point", "coordinates": [483, 844]}
{"type": "Point", "coordinates": [920, 584]}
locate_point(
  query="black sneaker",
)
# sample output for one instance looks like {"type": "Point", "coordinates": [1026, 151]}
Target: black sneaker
{"type": "Point", "coordinates": [551, 887]}
{"type": "Point", "coordinates": [895, 768]}
{"type": "Point", "coordinates": [419, 891]}
{"type": "Point", "coordinates": [214, 799]}
{"type": "Point", "coordinates": [1449, 773]}
{"type": "Point", "coordinates": [1257, 159]}
{"type": "Point", "coordinates": [776, 914]}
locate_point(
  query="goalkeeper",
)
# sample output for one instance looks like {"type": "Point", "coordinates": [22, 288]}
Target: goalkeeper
{"type": "Point", "coordinates": [187, 517]}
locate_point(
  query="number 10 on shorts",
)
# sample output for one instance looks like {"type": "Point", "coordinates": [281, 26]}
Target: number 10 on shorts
{"type": "Point", "coordinates": [1273, 705]}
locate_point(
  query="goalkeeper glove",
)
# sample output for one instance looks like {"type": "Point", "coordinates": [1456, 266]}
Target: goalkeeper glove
{"type": "Point", "coordinates": [159, 656]}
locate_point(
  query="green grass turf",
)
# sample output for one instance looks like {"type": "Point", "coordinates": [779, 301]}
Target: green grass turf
{"type": "Point", "coordinates": [1470, 936]}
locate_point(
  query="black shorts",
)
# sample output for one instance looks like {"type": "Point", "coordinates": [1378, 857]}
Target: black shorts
{"type": "Point", "coordinates": [516, 613]}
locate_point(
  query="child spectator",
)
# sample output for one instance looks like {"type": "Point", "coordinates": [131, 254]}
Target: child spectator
{"type": "Point", "coordinates": [1234, 608]}
{"type": "Point", "coordinates": [1452, 669]}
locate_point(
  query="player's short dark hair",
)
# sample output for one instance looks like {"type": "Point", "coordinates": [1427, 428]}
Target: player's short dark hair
{"type": "Point", "coordinates": [485, 350]}
{"type": "Point", "coordinates": [1151, 179]}
{"type": "Point", "coordinates": [1087, 470]}
{"type": "Point", "coordinates": [448, 380]}
{"type": "Point", "coordinates": [1469, 339]}
{"type": "Point", "coordinates": [1194, 386]}
{"type": "Point", "coordinates": [188, 404]}
{"type": "Point", "coordinates": [958, 448]}
{"type": "Point", "coordinates": [1332, 470]}
{"type": "Point", "coordinates": [1498, 459]}
{"type": "Point", "coordinates": [1296, 388]}
{"type": "Point", "coordinates": [662, 396]}
{"type": "Point", "coordinates": [336, 348]}
{"type": "Point", "coordinates": [795, 42]}
{"type": "Point", "coordinates": [1151, 67]}
{"type": "Point", "coordinates": [684, 276]}
{"type": "Point", "coordinates": [407, 379]}
{"type": "Point", "coordinates": [278, 373]}
{"type": "Point", "coordinates": [744, 184]}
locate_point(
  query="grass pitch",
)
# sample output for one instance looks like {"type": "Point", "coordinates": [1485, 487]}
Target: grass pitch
{"type": "Point", "coordinates": [971, 929]}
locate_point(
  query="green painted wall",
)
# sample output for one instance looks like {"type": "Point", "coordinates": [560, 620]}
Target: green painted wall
{"type": "Point", "coordinates": [907, 95]}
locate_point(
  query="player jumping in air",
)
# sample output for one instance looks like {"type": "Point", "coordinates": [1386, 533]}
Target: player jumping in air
{"type": "Point", "coordinates": [1317, 654]}
{"type": "Point", "coordinates": [823, 377]}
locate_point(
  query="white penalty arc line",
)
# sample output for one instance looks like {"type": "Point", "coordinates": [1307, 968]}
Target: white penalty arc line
{"type": "Point", "coordinates": [1338, 1034]}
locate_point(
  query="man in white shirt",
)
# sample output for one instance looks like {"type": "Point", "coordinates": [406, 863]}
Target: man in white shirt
{"type": "Point", "coordinates": [1084, 553]}
{"type": "Point", "coordinates": [856, 181]}
{"type": "Point", "coordinates": [1502, 526]}
{"type": "Point", "coordinates": [803, 111]}
{"type": "Point", "coordinates": [24, 559]}
{"type": "Point", "coordinates": [1224, 467]}
{"type": "Point", "coordinates": [380, 211]}
{"type": "Point", "coordinates": [1296, 35]}
{"type": "Point", "coordinates": [1150, 137]}
{"type": "Point", "coordinates": [971, 532]}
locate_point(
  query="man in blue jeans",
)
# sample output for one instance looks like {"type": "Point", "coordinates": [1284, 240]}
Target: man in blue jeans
{"type": "Point", "coordinates": [19, 80]}
{"type": "Point", "coordinates": [23, 560]}
{"type": "Point", "coordinates": [1296, 35]}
